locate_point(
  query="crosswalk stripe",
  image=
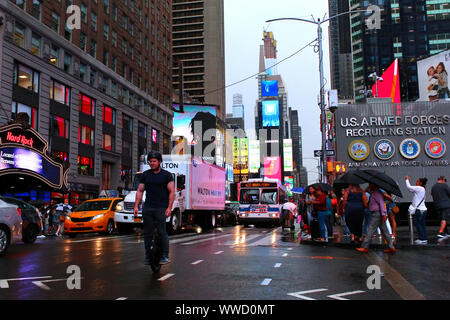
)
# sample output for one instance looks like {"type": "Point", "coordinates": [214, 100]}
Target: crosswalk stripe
{"type": "Point", "coordinates": [167, 276]}
{"type": "Point", "coordinates": [266, 282]}
{"type": "Point", "coordinates": [197, 262]}
{"type": "Point", "coordinates": [204, 240]}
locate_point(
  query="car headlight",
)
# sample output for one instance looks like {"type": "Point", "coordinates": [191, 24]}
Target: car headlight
{"type": "Point", "coordinates": [68, 218]}
{"type": "Point", "coordinates": [98, 216]}
{"type": "Point", "coordinates": [119, 207]}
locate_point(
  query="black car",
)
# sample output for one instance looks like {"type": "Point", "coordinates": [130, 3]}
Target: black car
{"type": "Point", "coordinates": [31, 223]}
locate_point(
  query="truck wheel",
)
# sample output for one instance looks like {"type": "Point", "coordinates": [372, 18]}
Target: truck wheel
{"type": "Point", "coordinates": [209, 221]}
{"type": "Point", "coordinates": [124, 228]}
{"type": "Point", "coordinates": [4, 240]}
{"type": "Point", "coordinates": [30, 234]}
{"type": "Point", "coordinates": [175, 223]}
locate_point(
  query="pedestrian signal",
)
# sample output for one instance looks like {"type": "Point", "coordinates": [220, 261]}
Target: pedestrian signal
{"type": "Point", "coordinates": [340, 167]}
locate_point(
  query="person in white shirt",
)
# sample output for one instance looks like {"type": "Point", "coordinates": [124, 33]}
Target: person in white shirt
{"type": "Point", "coordinates": [418, 208]}
{"type": "Point", "coordinates": [288, 206]}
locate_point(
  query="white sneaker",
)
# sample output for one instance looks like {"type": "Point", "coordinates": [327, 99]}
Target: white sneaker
{"type": "Point", "coordinates": [421, 241]}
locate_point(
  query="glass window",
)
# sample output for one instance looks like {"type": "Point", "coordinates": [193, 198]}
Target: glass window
{"type": "Point", "coordinates": [59, 92]}
{"type": "Point", "coordinates": [19, 35]}
{"type": "Point", "coordinates": [67, 33]}
{"type": "Point", "coordinates": [114, 38]}
{"type": "Point", "coordinates": [82, 71]}
{"type": "Point", "coordinates": [60, 127]}
{"type": "Point", "coordinates": [20, 4]}
{"type": "Point", "coordinates": [55, 22]}
{"type": "Point", "coordinates": [26, 77]}
{"type": "Point", "coordinates": [114, 89]}
{"type": "Point", "coordinates": [62, 155]}
{"type": "Point", "coordinates": [83, 13]}
{"type": "Point", "coordinates": [126, 148]}
{"type": "Point", "coordinates": [86, 135]}
{"type": "Point", "coordinates": [32, 113]}
{"type": "Point", "coordinates": [108, 142]}
{"type": "Point", "coordinates": [106, 6]}
{"type": "Point", "coordinates": [269, 197]}
{"type": "Point", "coordinates": [36, 44]}
{"type": "Point", "coordinates": [83, 41]}
{"type": "Point", "coordinates": [92, 76]}
{"type": "Point", "coordinates": [127, 123]}
{"type": "Point", "coordinates": [54, 55]}
{"type": "Point", "coordinates": [67, 62]}
{"type": "Point", "coordinates": [36, 9]}
{"type": "Point", "coordinates": [249, 196]}
{"type": "Point", "coordinates": [93, 48]}
{"type": "Point", "coordinates": [94, 21]}
{"type": "Point", "coordinates": [142, 130]}
{"type": "Point", "coordinates": [86, 105]}
{"type": "Point", "coordinates": [109, 115]}
{"type": "Point", "coordinates": [106, 31]}
{"type": "Point", "coordinates": [85, 166]}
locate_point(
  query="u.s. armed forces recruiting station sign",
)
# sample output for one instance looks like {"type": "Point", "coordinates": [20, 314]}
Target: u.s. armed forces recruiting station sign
{"type": "Point", "coordinates": [399, 139]}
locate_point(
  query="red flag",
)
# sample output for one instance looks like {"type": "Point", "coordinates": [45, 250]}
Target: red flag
{"type": "Point", "coordinates": [390, 86]}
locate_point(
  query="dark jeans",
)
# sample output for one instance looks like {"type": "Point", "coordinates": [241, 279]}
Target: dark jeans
{"type": "Point", "coordinates": [419, 222]}
{"type": "Point", "coordinates": [155, 218]}
{"type": "Point", "coordinates": [323, 223]}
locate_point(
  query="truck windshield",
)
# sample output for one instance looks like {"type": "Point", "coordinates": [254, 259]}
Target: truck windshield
{"type": "Point", "coordinates": [250, 196]}
{"type": "Point", "coordinates": [269, 196]}
{"type": "Point", "coordinates": [137, 178]}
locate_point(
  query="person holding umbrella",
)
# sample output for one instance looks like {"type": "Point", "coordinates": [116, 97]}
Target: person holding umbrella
{"type": "Point", "coordinates": [378, 219]}
{"type": "Point", "coordinates": [355, 201]}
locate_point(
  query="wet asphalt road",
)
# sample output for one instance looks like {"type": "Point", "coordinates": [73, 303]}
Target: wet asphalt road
{"type": "Point", "coordinates": [232, 263]}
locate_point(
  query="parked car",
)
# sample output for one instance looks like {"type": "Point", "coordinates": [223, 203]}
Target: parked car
{"type": "Point", "coordinates": [10, 226]}
{"type": "Point", "coordinates": [96, 215]}
{"type": "Point", "coordinates": [31, 221]}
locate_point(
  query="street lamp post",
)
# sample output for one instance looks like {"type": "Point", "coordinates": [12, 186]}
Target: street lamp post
{"type": "Point", "coordinates": [322, 85]}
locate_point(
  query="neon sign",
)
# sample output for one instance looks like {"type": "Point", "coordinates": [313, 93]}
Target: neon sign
{"type": "Point", "coordinates": [19, 139]}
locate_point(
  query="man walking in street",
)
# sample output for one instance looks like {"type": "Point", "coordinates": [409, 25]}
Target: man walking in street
{"type": "Point", "coordinates": [441, 197]}
{"type": "Point", "coordinates": [378, 219]}
{"type": "Point", "coordinates": [159, 188]}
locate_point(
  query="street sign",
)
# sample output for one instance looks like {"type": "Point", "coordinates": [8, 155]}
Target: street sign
{"type": "Point", "coordinates": [329, 153]}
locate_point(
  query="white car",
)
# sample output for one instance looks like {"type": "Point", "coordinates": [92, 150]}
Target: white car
{"type": "Point", "coordinates": [10, 225]}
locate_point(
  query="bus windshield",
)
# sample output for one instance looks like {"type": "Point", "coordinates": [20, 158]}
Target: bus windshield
{"type": "Point", "coordinates": [269, 196]}
{"type": "Point", "coordinates": [136, 180]}
{"type": "Point", "coordinates": [249, 196]}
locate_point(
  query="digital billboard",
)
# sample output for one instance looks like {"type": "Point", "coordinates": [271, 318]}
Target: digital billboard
{"type": "Point", "coordinates": [254, 156]}
{"type": "Point", "coordinates": [287, 155]}
{"type": "Point", "coordinates": [270, 113]}
{"type": "Point", "coordinates": [269, 88]}
{"type": "Point", "coordinates": [289, 182]}
{"type": "Point", "coordinates": [433, 77]}
{"type": "Point", "coordinates": [240, 156]}
{"type": "Point", "coordinates": [272, 168]}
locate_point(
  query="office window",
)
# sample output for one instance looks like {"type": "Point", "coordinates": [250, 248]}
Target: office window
{"type": "Point", "coordinates": [114, 38]}
{"type": "Point", "coordinates": [106, 6]}
{"type": "Point", "coordinates": [114, 63]}
{"type": "Point", "coordinates": [82, 71]}
{"type": "Point", "coordinates": [60, 127]}
{"type": "Point", "coordinates": [124, 22]}
{"type": "Point", "coordinates": [55, 22]}
{"type": "Point", "coordinates": [83, 13]}
{"type": "Point", "coordinates": [62, 155]}
{"type": "Point", "coordinates": [86, 105]}
{"type": "Point", "coordinates": [92, 76]}
{"type": "Point", "coordinates": [67, 33]}
{"type": "Point", "coordinates": [108, 142]}
{"type": "Point", "coordinates": [86, 135]}
{"type": "Point", "coordinates": [124, 46]}
{"type": "Point", "coordinates": [67, 62]}
{"type": "Point", "coordinates": [114, 89]}
{"type": "Point", "coordinates": [109, 115]}
{"type": "Point", "coordinates": [85, 166]}
{"type": "Point", "coordinates": [142, 130]}
{"type": "Point", "coordinates": [59, 92]}
{"type": "Point", "coordinates": [106, 31]}
{"type": "Point", "coordinates": [94, 21]}
{"type": "Point", "coordinates": [26, 77]}
{"type": "Point", "coordinates": [127, 149]}
{"type": "Point", "coordinates": [83, 41]}
{"type": "Point", "coordinates": [20, 4]}
{"type": "Point", "coordinates": [93, 48]}
{"type": "Point", "coordinates": [114, 12]}
{"type": "Point", "coordinates": [36, 9]}
{"type": "Point", "coordinates": [35, 44]}
{"type": "Point", "coordinates": [127, 123]}
{"type": "Point", "coordinates": [19, 35]}
{"type": "Point", "coordinates": [105, 58]}
{"type": "Point", "coordinates": [32, 113]}
{"type": "Point", "coordinates": [54, 55]}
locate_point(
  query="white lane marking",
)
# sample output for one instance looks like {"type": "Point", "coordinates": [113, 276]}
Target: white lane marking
{"type": "Point", "coordinates": [266, 282]}
{"type": "Point", "coordinates": [101, 239]}
{"type": "Point", "coordinates": [277, 265]}
{"type": "Point", "coordinates": [301, 294]}
{"type": "Point", "coordinates": [340, 295]}
{"type": "Point", "coordinates": [285, 254]}
{"type": "Point", "coordinates": [242, 240]}
{"type": "Point", "coordinates": [218, 252]}
{"type": "Point", "coordinates": [122, 298]}
{"type": "Point", "coordinates": [5, 285]}
{"type": "Point", "coordinates": [197, 262]}
{"type": "Point", "coordinates": [43, 286]}
{"type": "Point", "coordinates": [201, 236]}
{"type": "Point", "coordinates": [167, 276]}
{"type": "Point", "coordinates": [289, 249]}
{"type": "Point", "coordinates": [204, 240]}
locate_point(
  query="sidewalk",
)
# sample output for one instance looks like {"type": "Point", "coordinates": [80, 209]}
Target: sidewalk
{"type": "Point", "coordinates": [403, 240]}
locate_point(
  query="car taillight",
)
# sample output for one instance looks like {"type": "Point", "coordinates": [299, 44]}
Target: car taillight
{"type": "Point", "coordinates": [19, 212]}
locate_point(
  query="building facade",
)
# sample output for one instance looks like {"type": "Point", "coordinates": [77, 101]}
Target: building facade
{"type": "Point", "coordinates": [410, 30]}
{"type": "Point", "coordinates": [99, 94]}
{"type": "Point", "coordinates": [198, 41]}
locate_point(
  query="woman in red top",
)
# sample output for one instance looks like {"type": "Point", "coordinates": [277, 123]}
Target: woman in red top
{"type": "Point", "coordinates": [320, 206]}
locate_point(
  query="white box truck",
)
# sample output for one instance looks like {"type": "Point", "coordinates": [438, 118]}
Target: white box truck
{"type": "Point", "coordinates": [199, 194]}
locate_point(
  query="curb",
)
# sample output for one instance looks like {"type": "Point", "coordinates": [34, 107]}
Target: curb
{"type": "Point", "coordinates": [378, 246]}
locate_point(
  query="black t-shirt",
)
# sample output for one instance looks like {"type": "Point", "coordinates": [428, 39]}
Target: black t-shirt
{"type": "Point", "coordinates": [441, 195]}
{"type": "Point", "coordinates": [157, 195]}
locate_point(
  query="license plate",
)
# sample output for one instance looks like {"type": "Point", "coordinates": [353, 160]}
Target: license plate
{"type": "Point", "coordinates": [80, 224]}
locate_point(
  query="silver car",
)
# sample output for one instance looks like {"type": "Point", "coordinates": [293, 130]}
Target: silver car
{"type": "Point", "coordinates": [10, 225]}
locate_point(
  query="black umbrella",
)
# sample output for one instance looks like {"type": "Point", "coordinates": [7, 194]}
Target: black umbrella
{"type": "Point", "coordinates": [381, 180]}
{"type": "Point", "coordinates": [325, 187]}
{"type": "Point", "coordinates": [348, 179]}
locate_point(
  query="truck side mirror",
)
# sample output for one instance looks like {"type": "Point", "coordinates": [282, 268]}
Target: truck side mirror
{"type": "Point", "coordinates": [181, 182]}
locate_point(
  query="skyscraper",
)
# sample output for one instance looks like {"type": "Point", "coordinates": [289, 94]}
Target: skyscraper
{"type": "Point", "coordinates": [198, 41]}
{"type": "Point", "coordinates": [410, 30]}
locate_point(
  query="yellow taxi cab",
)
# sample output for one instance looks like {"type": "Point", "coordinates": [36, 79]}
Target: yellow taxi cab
{"type": "Point", "coordinates": [96, 215]}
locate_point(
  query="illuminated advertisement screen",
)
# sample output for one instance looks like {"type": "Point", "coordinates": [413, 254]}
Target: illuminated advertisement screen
{"type": "Point", "coordinates": [289, 182]}
{"type": "Point", "coordinates": [154, 136]}
{"type": "Point", "coordinates": [271, 113]}
{"type": "Point", "coordinates": [269, 88]}
{"type": "Point", "coordinates": [19, 158]}
{"type": "Point", "coordinates": [433, 77]}
{"type": "Point", "coordinates": [254, 156]}
{"type": "Point", "coordinates": [287, 152]}
{"type": "Point", "coordinates": [184, 123]}
{"type": "Point", "coordinates": [272, 168]}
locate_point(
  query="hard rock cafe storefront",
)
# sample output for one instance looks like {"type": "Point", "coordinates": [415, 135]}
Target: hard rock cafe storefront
{"type": "Point", "coordinates": [27, 170]}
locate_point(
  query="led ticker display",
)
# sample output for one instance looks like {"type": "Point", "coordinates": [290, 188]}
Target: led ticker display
{"type": "Point", "coordinates": [257, 184]}
{"type": "Point", "coordinates": [271, 113]}
{"type": "Point", "coordinates": [269, 88]}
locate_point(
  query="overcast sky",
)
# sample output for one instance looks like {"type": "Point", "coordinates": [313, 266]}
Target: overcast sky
{"type": "Point", "coordinates": [244, 26]}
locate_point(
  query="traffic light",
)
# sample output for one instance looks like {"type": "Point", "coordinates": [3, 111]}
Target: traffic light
{"type": "Point", "coordinates": [340, 167]}
{"type": "Point", "coordinates": [330, 166]}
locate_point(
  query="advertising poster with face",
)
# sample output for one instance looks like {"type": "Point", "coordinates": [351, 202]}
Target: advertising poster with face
{"type": "Point", "coordinates": [433, 77]}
